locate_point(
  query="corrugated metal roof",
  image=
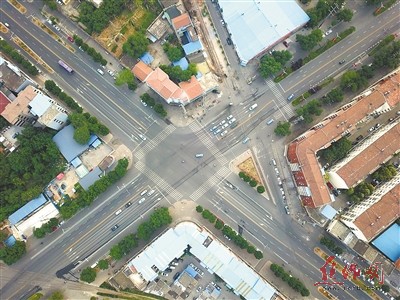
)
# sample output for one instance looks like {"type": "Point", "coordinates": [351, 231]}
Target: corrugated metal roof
{"type": "Point", "coordinates": [27, 209]}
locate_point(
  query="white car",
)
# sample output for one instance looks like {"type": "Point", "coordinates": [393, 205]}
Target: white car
{"type": "Point", "coordinates": [7, 25]}
{"type": "Point", "coordinates": [142, 200]}
{"type": "Point", "coordinates": [232, 121]}
{"type": "Point", "coordinates": [144, 103]}
{"type": "Point", "coordinates": [217, 131]}
{"type": "Point", "coordinates": [142, 137]}
{"type": "Point", "coordinates": [110, 72]}
{"type": "Point", "coordinates": [229, 117]}
{"type": "Point", "coordinates": [225, 125]}
{"type": "Point", "coordinates": [224, 132]}
{"type": "Point", "coordinates": [328, 32]}
{"type": "Point", "coordinates": [222, 122]}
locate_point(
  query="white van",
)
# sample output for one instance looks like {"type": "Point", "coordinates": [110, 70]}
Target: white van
{"type": "Point", "coordinates": [199, 155]}
{"type": "Point", "coordinates": [143, 193]}
{"type": "Point", "coordinates": [253, 106]}
{"type": "Point", "coordinates": [100, 71]}
{"type": "Point", "coordinates": [118, 212]}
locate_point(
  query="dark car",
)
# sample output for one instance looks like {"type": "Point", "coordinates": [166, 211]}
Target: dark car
{"type": "Point", "coordinates": [342, 62]}
{"type": "Point", "coordinates": [286, 44]}
{"type": "Point", "coordinates": [335, 192]}
{"type": "Point", "coordinates": [128, 204]}
{"type": "Point", "coordinates": [115, 227]}
{"type": "Point", "coordinates": [229, 41]}
{"type": "Point", "coordinates": [360, 137]}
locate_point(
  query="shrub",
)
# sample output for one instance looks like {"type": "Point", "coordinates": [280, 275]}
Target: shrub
{"type": "Point", "coordinates": [251, 249]}
{"type": "Point", "coordinates": [253, 183]}
{"type": "Point", "coordinates": [242, 175]}
{"type": "Point", "coordinates": [260, 189]}
{"type": "Point", "coordinates": [258, 254]}
{"type": "Point", "coordinates": [219, 224]}
{"type": "Point", "coordinates": [88, 274]}
{"type": "Point", "coordinates": [199, 208]}
{"type": "Point", "coordinates": [103, 264]}
{"type": "Point", "coordinates": [247, 178]}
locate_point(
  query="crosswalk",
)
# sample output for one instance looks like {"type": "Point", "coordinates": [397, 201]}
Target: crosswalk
{"type": "Point", "coordinates": [204, 137]}
{"type": "Point", "coordinates": [161, 183]}
{"type": "Point", "coordinates": [287, 107]}
{"type": "Point", "coordinates": [216, 178]}
{"type": "Point", "coordinates": [151, 144]}
{"type": "Point", "coordinates": [212, 181]}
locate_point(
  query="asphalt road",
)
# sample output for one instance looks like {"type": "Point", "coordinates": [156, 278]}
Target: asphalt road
{"type": "Point", "coordinates": [166, 162]}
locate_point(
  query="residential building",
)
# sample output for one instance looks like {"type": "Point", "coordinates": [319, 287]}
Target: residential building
{"type": "Point", "coordinates": [12, 77]}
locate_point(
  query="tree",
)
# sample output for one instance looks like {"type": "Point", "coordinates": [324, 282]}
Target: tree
{"type": "Point", "coordinates": [345, 15]}
{"type": "Point", "coordinates": [253, 183]}
{"type": "Point", "coordinates": [282, 57]}
{"type": "Point", "coordinates": [159, 108]}
{"type": "Point", "coordinates": [282, 129]}
{"type": "Point", "coordinates": [88, 275]}
{"type": "Point", "coordinates": [352, 80]}
{"type": "Point", "coordinates": [57, 295]}
{"type": "Point", "coordinates": [251, 249]}
{"type": "Point", "coordinates": [334, 96]}
{"type": "Point", "coordinates": [173, 53]}
{"type": "Point", "coordinates": [308, 42]}
{"type": "Point", "coordinates": [82, 135]}
{"type": "Point", "coordinates": [103, 264]}
{"type": "Point", "coordinates": [385, 288]}
{"type": "Point", "coordinates": [219, 224]}
{"type": "Point", "coordinates": [116, 252]}
{"type": "Point", "coordinates": [258, 254]}
{"type": "Point", "coordinates": [136, 45]}
{"type": "Point", "coordinates": [269, 66]}
{"type": "Point", "coordinates": [199, 208]}
{"type": "Point", "coordinates": [12, 254]}
{"type": "Point", "coordinates": [144, 231]}
{"type": "Point", "coordinates": [260, 189]}
{"type": "Point", "coordinates": [3, 236]}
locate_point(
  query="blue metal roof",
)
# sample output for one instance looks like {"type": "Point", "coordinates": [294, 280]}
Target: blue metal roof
{"type": "Point", "coordinates": [10, 241]}
{"type": "Point", "coordinates": [27, 209]}
{"type": "Point", "coordinates": [329, 212]}
{"type": "Point", "coordinates": [191, 271]}
{"type": "Point", "coordinates": [90, 178]}
{"type": "Point", "coordinates": [389, 242]}
{"type": "Point", "coordinates": [192, 47]}
{"type": "Point", "coordinates": [147, 58]}
{"type": "Point", "coordinates": [183, 63]}
{"type": "Point", "coordinates": [68, 147]}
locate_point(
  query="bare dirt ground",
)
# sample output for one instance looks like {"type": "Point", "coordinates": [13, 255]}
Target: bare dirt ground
{"type": "Point", "coordinates": [115, 35]}
{"type": "Point", "coordinates": [249, 168]}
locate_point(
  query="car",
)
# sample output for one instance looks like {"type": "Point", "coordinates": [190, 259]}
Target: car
{"type": "Point", "coordinates": [245, 140]}
{"type": "Point", "coordinates": [56, 27]}
{"type": "Point", "coordinates": [144, 103]}
{"type": "Point", "coordinates": [164, 274]}
{"type": "Point", "coordinates": [224, 132]}
{"type": "Point", "coordinates": [286, 44]}
{"type": "Point", "coordinates": [342, 62]}
{"type": "Point", "coordinates": [70, 38]}
{"type": "Point", "coordinates": [287, 210]}
{"type": "Point", "coordinates": [115, 227]}
{"type": "Point", "coordinates": [328, 32]}
{"type": "Point", "coordinates": [360, 137]}
{"type": "Point", "coordinates": [232, 121]}
{"type": "Point", "coordinates": [213, 128]}
{"type": "Point", "coordinates": [222, 122]}
{"type": "Point", "coordinates": [118, 212]}
{"type": "Point", "coordinates": [199, 288]}
{"type": "Point", "coordinates": [229, 117]}
{"type": "Point", "coordinates": [290, 98]}
{"type": "Point", "coordinates": [371, 129]}
{"type": "Point", "coordinates": [110, 72]}
{"type": "Point", "coordinates": [229, 41]}
{"type": "Point", "coordinates": [128, 204]}
{"type": "Point", "coordinates": [335, 192]}
{"type": "Point", "coordinates": [223, 22]}
{"type": "Point", "coordinates": [217, 131]}
{"type": "Point", "coordinates": [168, 270]}
{"type": "Point", "coordinates": [390, 120]}
{"type": "Point", "coordinates": [80, 48]}
{"type": "Point", "coordinates": [142, 137]}
{"type": "Point", "coordinates": [6, 24]}
{"type": "Point", "coordinates": [142, 200]}
{"type": "Point", "coordinates": [227, 237]}
{"type": "Point", "coordinates": [201, 273]}
{"type": "Point", "coordinates": [176, 275]}
{"type": "Point", "coordinates": [377, 126]}
{"type": "Point", "coordinates": [150, 193]}
{"type": "Point", "coordinates": [225, 125]}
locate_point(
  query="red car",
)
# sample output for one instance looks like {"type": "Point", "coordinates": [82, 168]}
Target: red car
{"type": "Point", "coordinates": [70, 39]}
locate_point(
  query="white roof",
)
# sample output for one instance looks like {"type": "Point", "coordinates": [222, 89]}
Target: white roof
{"type": "Point", "coordinates": [216, 257]}
{"type": "Point", "coordinates": [258, 25]}
{"type": "Point", "coordinates": [40, 104]}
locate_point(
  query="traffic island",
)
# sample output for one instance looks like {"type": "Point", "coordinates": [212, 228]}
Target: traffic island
{"type": "Point", "coordinates": [18, 6]}
{"type": "Point", "coordinates": [3, 28]}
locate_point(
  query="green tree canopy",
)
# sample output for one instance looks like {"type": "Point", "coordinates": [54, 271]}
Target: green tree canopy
{"type": "Point", "coordinates": [308, 42]}
{"type": "Point", "coordinates": [103, 264]}
{"type": "Point", "coordinates": [269, 66]}
{"type": "Point", "coordinates": [282, 57]}
{"type": "Point", "coordinates": [282, 129]}
{"type": "Point", "coordinates": [57, 295]}
{"type": "Point", "coordinates": [12, 254]}
{"type": "Point", "coordinates": [88, 274]}
{"type": "Point", "coordinates": [173, 53]}
{"type": "Point", "coordinates": [352, 80]}
{"type": "Point", "coordinates": [136, 45]}
{"type": "Point", "coordinates": [334, 96]}
{"type": "Point", "coordinates": [345, 15]}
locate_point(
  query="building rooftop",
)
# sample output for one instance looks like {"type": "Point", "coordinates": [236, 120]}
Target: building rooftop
{"type": "Point", "coordinates": [20, 104]}
{"type": "Point", "coordinates": [4, 101]}
{"type": "Point", "coordinates": [214, 255]}
{"type": "Point", "coordinates": [371, 157]}
{"type": "Point", "coordinates": [380, 215]}
{"type": "Point", "coordinates": [192, 88]}
{"type": "Point", "coordinates": [244, 19]}
{"type": "Point", "coordinates": [27, 209]}
{"type": "Point", "coordinates": [181, 21]}
{"type": "Point", "coordinates": [68, 147]}
{"type": "Point", "coordinates": [141, 70]}
{"type": "Point", "coordinates": [302, 151]}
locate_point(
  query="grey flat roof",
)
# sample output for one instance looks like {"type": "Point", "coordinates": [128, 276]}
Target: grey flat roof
{"type": "Point", "coordinates": [258, 25]}
{"type": "Point", "coordinates": [68, 147]}
{"type": "Point", "coordinates": [90, 178]}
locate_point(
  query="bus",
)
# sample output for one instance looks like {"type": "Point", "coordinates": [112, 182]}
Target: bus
{"type": "Point", "coordinates": [65, 66]}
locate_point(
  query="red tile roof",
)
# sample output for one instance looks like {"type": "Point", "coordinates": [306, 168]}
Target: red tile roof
{"type": "Point", "coordinates": [141, 71]}
{"type": "Point", "coordinates": [371, 157]}
{"type": "Point", "coordinates": [192, 88]}
{"type": "Point", "coordinates": [181, 21]}
{"type": "Point", "coordinates": [380, 215]}
{"type": "Point", "coordinates": [303, 149]}
{"type": "Point", "coordinates": [4, 101]}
